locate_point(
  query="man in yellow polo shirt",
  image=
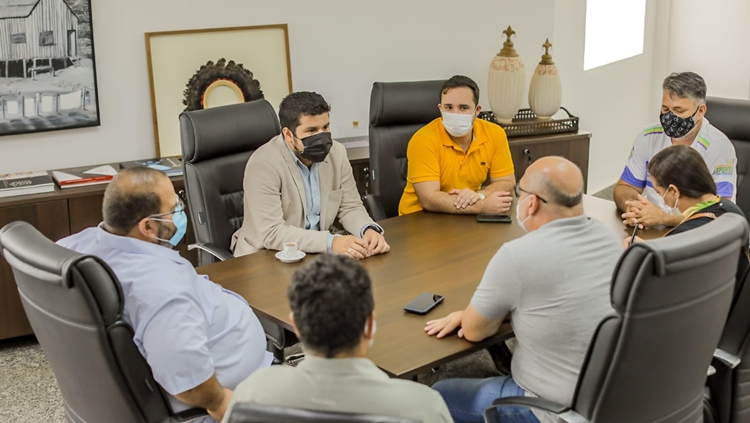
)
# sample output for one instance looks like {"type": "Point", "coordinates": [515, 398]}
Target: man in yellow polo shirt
{"type": "Point", "coordinates": [452, 156]}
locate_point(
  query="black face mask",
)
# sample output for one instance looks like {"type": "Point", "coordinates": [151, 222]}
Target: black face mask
{"type": "Point", "coordinates": [675, 126]}
{"type": "Point", "coordinates": [316, 147]}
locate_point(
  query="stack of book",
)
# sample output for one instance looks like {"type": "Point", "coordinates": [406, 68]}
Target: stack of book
{"type": "Point", "coordinates": [22, 183]}
{"type": "Point", "coordinates": [83, 176]}
{"type": "Point", "coordinates": [172, 166]}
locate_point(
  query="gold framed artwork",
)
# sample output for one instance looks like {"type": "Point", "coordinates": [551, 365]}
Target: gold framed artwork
{"type": "Point", "coordinates": [201, 68]}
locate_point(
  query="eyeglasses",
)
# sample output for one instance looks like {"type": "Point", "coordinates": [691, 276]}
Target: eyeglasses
{"type": "Point", "coordinates": [180, 206]}
{"type": "Point", "coordinates": [518, 195]}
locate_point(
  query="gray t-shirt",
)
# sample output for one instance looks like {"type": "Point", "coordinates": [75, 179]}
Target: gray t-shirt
{"type": "Point", "coordinates": [555, 283]}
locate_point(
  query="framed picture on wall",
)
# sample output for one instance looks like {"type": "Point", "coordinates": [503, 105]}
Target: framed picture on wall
{"type": "Point", "coordinates": [47, 66]}
{"type": "Point", "coordinates": [202, 68]}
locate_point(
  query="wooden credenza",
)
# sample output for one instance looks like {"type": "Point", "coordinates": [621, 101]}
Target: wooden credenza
{"type": "Point", "coordinates": [574, 147]}
{"type": "Point", "coordinates": [64, 212]}
{"type": "Point", "coordinates": [56, 215]}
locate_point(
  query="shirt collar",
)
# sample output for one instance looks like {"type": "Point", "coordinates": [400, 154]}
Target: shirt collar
{"type": "Point", "coordinates": [568, 221]}
{"type": "Point", "coordinates": [136, 246]}
{"type": "Point", "coordinates": [704, 128]}
{"type": "Point", "coordinates": [341, 366]}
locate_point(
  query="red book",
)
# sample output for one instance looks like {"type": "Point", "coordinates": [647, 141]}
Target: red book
{"type": "Point", "coordinates": [77, 177]}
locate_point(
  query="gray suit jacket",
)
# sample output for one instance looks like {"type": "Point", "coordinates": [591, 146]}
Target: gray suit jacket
{"type": "Point", "coordinates": [275, 203]}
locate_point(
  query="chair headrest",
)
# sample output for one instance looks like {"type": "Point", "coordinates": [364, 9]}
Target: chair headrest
{"type": "Point", "coordinates": [226, 130]}
{"type": "Point", "coordinates": [681, 253]}
{"type": "Point", "coordinates": [404, 103]}
{"type": "Point", "coordinates": [29, 251]}
{"type": "Point", "coordinates": [730, 116]}
{"type": "Point", "coordinates": [28, 248]}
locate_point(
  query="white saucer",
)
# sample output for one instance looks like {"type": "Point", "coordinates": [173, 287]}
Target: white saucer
{"type": "Point", "coordinates": [281, 256]}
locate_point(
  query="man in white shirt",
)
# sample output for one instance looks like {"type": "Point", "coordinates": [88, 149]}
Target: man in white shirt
{"type": "Point", "coordinates": [200, 339]}
{"type": "Point", "coordinates": [682, 122]}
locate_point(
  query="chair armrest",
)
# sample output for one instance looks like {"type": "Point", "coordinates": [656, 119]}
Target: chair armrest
{"type": "Point", "coordinates": [729, 360]}
{"type": "Point", "coordinates": [212, 249]}
{"type": "Point", "coordinates": [186, 416]}
{"type": "Point", "coordinates": [375, 206]}
{"type": "Point", "coordinates": [561, 411]}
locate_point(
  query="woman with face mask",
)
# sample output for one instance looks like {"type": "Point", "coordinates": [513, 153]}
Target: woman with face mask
{"type": "Point", "coordinates": [680, 176]}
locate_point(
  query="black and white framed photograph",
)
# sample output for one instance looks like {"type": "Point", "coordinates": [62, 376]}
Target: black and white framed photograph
{"type": "Point", "coordinates": [47, 66]}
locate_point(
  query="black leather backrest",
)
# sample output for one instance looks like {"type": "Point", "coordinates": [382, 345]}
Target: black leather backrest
{"type": "Point", "coordinates": [732, 117]}
{"type": "Point", "coordinates": [74, 304]}
{"type": "Point", "coordinates": [397, 111]}
{"type": "Point", "coordinates": [216, 144]}
{"type": "Point", "coordinates": [671, 297]}
{"type": "Point", "coordinates": [256, 413]}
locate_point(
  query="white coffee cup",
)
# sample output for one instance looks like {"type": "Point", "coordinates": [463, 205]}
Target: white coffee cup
{"type": "Point", "coordinates": [290, 249]}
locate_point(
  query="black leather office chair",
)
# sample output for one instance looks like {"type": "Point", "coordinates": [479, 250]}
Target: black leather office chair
{"type": "Point", "coordinates": [74, 304]}
{"type": "Point", "coordinates": [647, 362]}
{"type": "Point", "coordinates": [729, 387]}
{"type": "Point", "coordinates": [732, 117]}
{"type": "Point", "coordinates": [256, 413]}
{"type": "Point", "coordinates": [216, 144]}
{"type": "Point", "coordinates": [397, 111]}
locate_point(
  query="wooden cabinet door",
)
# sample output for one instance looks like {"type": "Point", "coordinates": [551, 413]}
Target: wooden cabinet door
{"type": "Point", "coordinates": [51, 219]}
{"type": "Point", "coordinates": [576, 150]}
{"type": "Point", "coordinates": [85, 212]}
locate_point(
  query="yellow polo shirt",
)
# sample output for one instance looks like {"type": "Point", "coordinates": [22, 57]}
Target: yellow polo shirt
{"type": "Point", "coordinates": [433, 156]}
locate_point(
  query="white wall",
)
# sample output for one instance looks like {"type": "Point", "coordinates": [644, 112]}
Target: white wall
{"type": "Point", "coordinates": [711, 38]}
{"type": "Point", "coordinates": [338, 48]}
{"type": "Point", "coordinates": [612, 101]}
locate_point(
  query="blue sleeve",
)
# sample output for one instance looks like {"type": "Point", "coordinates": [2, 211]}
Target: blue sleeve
{"type": "Point", "coordinates": [636, 170]}
{"type": "Point", "coordinates": [725, 189]}
{"type": "Point", "coordinates": [329, 242]}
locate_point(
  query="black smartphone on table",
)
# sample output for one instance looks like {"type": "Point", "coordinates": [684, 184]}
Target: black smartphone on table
{"type": "Point", "coordinates": [424, 303]}
{"type": "Point", "coordinates": [494, 218]}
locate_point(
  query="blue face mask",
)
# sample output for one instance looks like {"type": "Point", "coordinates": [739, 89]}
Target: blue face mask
{"type": "Point", "coordinates": [179, 220]}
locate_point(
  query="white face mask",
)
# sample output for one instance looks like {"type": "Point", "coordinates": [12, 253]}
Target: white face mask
{"type": "Point", "coordinates": [674, 211]}
{"type": "Point", "coordinates": [374, 329]}
{"type": "Point", "coordinates": [458, 124]}
{"type": "Point", "coordinates": [521, 223]}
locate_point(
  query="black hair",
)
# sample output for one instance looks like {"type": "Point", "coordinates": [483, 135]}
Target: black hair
{"type": "Point", "coordinates": [683, 167]}
{"type": "Point", "coordinates": [303, 103]}
{"type": "Point", "coordinates": [331, 299]}
{"type": "Point", "coordinates": [123, 208]}
{"type": "Point", "coordinates": [459, 81]}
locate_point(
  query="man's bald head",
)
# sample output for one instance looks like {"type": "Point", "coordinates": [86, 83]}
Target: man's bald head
{"type": "Point", "coordinates": [557, 180]}
{"type": "Point", "coordinates": [133, 194]}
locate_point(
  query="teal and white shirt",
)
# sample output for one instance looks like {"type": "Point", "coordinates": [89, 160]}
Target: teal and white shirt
{"type": "Point", "coordinates": [712, 144]}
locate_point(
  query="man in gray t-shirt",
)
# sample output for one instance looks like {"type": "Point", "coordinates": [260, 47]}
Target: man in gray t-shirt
{"type": "Point", "coordinates": [554, 282]}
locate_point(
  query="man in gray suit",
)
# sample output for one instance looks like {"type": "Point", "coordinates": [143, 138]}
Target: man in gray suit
{"type": "Point", "coordinates": [333, 315]}
{"type": "Point", "coordinates": [298, 183]}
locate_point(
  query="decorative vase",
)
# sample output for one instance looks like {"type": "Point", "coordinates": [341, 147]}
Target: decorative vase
{"type": "Point", "coordinates": [507, 81]}
{"type": "Point", "coordinates": [545, 93]}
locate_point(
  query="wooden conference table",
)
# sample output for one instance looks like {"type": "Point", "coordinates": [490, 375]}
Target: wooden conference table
{"type": "Point", "coordinates": [438, 253]}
